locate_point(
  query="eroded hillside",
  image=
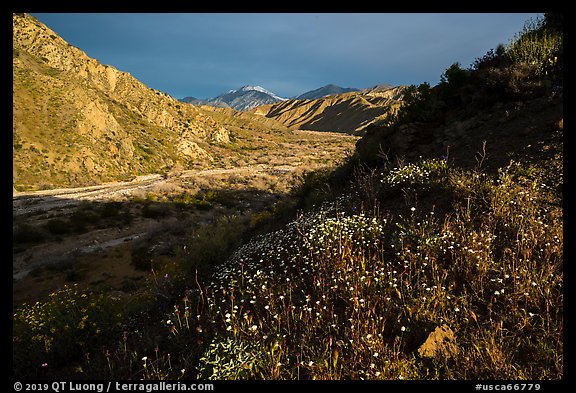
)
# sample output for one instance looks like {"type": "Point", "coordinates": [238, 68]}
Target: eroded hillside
{"type": "Point", "coordinates": [79, 122]}
{"type": "Point", "coordinates": [349, 112]}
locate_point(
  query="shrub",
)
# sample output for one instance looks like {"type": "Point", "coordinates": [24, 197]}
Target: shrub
{"type": "Point", "coordinates": [451, 83]}
{"type": "Point", "coordinates": [81, 219]}
{"type": "Point", "coordinates": [73, 275]}
{"type": "Point", "coordinates": [539, 44]}
{"type": "Point", "coordinates": [26, 233]}
{"type": "Point", "coordinates": [518, 69]}
{"type": "Point", "coordinates": [110, 209]}
{"type": "Point", "coordinates": [68, 324]}
{"type": "Point", "coordinates": [417, 104]}
{"type": "Point", "coordinates": [492, 59]}
{"type": "Point", "coordinates": [313, 188]}
{"type": "Point", "coordinates": [213, 245]}
{"type": "Point", "coordinates": [454, 76]}
{"type": "Point", "coordinates": [155, 211]}
{"type": "Point", "coordinates": [232, 360]}
{"type": "Point", "coordinates": [58, 226]}
{"type": "Point", "coordinates": [417, 175]}
{"type": "Point", "coordinates": [141, 258]}
{"type": "Point", "coordinates": [201, 201]}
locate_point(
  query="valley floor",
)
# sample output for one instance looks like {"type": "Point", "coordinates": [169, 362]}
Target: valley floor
{"type": "Point", "coordinates": [89, 234]}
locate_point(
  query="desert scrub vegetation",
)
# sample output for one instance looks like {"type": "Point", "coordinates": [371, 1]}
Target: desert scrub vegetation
{"type": "Point", "coordinates": [200, 201]}
{"type": "Point", "coordinates": [351, 289]}
{"type": "Point", "coordinates": [344, 293]}
{"type": "Point", "coordinates": [531, 62]}
{"type": "Point", "coordinates": [62, 328]}
{"type": "Point", "coordinates": [539, 44]}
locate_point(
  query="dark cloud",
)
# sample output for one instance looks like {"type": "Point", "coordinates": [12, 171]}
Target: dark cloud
{"type": "Point", "coordinates": [204, 55]}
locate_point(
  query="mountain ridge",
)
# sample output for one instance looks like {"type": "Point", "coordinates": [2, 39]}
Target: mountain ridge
{"type": "Point", "coordinates": [325, 91]}
{"type": "Point", "coordinates": [243, 99]}
{"type": "Point", "coordinates": [348, 112]}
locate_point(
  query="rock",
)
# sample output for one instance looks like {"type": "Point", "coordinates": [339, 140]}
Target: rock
{"type": "Point", "coordinates": [220, 135]}
{"type": "Point", "coordinates": [192, 150]}
{"type": "Point", "coordinates": [440, 343]}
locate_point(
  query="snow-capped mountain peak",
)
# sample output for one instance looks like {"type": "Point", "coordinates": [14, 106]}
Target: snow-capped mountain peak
{"type": "Point", "coordinates": [245, 98]}
{"type": "Point", "coordinates": [261, 90]}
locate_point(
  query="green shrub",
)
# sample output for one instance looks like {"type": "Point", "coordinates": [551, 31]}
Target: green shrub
{"type": "Point", "coordinates": [80, 220]}
{"type": "Point", "coordinates": [455, 76]}
{"type": "Point", "coordinates": [518, 69]}
{"type": "Point", "coordinates": [539, 45]}
{"type": "Point", "coordinates": [201, 201]}
{"type": "Point", "coordinates": [261, 218]}
{"type": "Point", "coordinates": [73, 275]}
{"type": "Point", "coordinates": [110, 209]}
{"type": "Point", "coordinates": [67, 325]}
{"type": "Point", "coordinates": [232, 360]}
{"type": "Point", "coordinates": [213, 245]}
{"type": "Point", "coordinates": [417, 104]}
{"type": "Point", "coordinates": [421, 175]}
{"type": "Point", "coordinates": [313, 188]}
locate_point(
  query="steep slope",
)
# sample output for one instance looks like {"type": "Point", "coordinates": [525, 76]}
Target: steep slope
{"type": "Point", "coordinates": [79, 122]}
{"type": "Point", "coordinates": [198, 102]}
{"type": "Point", "coordinates": [245, 98]}
{"type": "Point", "coordinates": [328, 90]}
{"type": "Point", "coordinates": [349, 112]}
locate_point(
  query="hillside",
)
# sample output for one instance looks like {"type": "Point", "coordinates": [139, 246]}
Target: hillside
{"type": "Point", "coordinates": [77, 121]}
{"type": "Point", "coordinates": [197, 102]}
{"type": "Point", "coordinates": [349, 112]}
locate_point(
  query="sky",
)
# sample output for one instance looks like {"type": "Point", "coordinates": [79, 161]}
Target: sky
{"type": "Point", "coordinates": [206, 54]}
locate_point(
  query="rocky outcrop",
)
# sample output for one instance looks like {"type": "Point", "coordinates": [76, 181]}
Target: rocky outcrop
{"type": "Point", "coordinates": [440, 344]}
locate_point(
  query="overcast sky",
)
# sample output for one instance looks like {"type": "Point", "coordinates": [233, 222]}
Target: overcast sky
{"type": "Point", "coordinates": [204, 55]}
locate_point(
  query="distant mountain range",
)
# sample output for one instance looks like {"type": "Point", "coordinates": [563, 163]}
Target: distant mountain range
{"type": "Point", "coordinates": [328, 108]}
{"type": "Point", "coordinates": [325, 91]}
{"type": "Point", "coordinates": [197, 102]}
{"type": "Point", "coordinates": [348, 112]}
{"type": "Point", "coordinates": [243, 99]}
{"type": "Point", "coordinates": [250, 97]}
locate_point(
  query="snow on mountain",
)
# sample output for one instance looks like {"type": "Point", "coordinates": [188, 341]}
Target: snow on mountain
{"type": "Point", "coordinates": [243, 99]}
{"type": "Point", "coordinates": [262, 90]}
